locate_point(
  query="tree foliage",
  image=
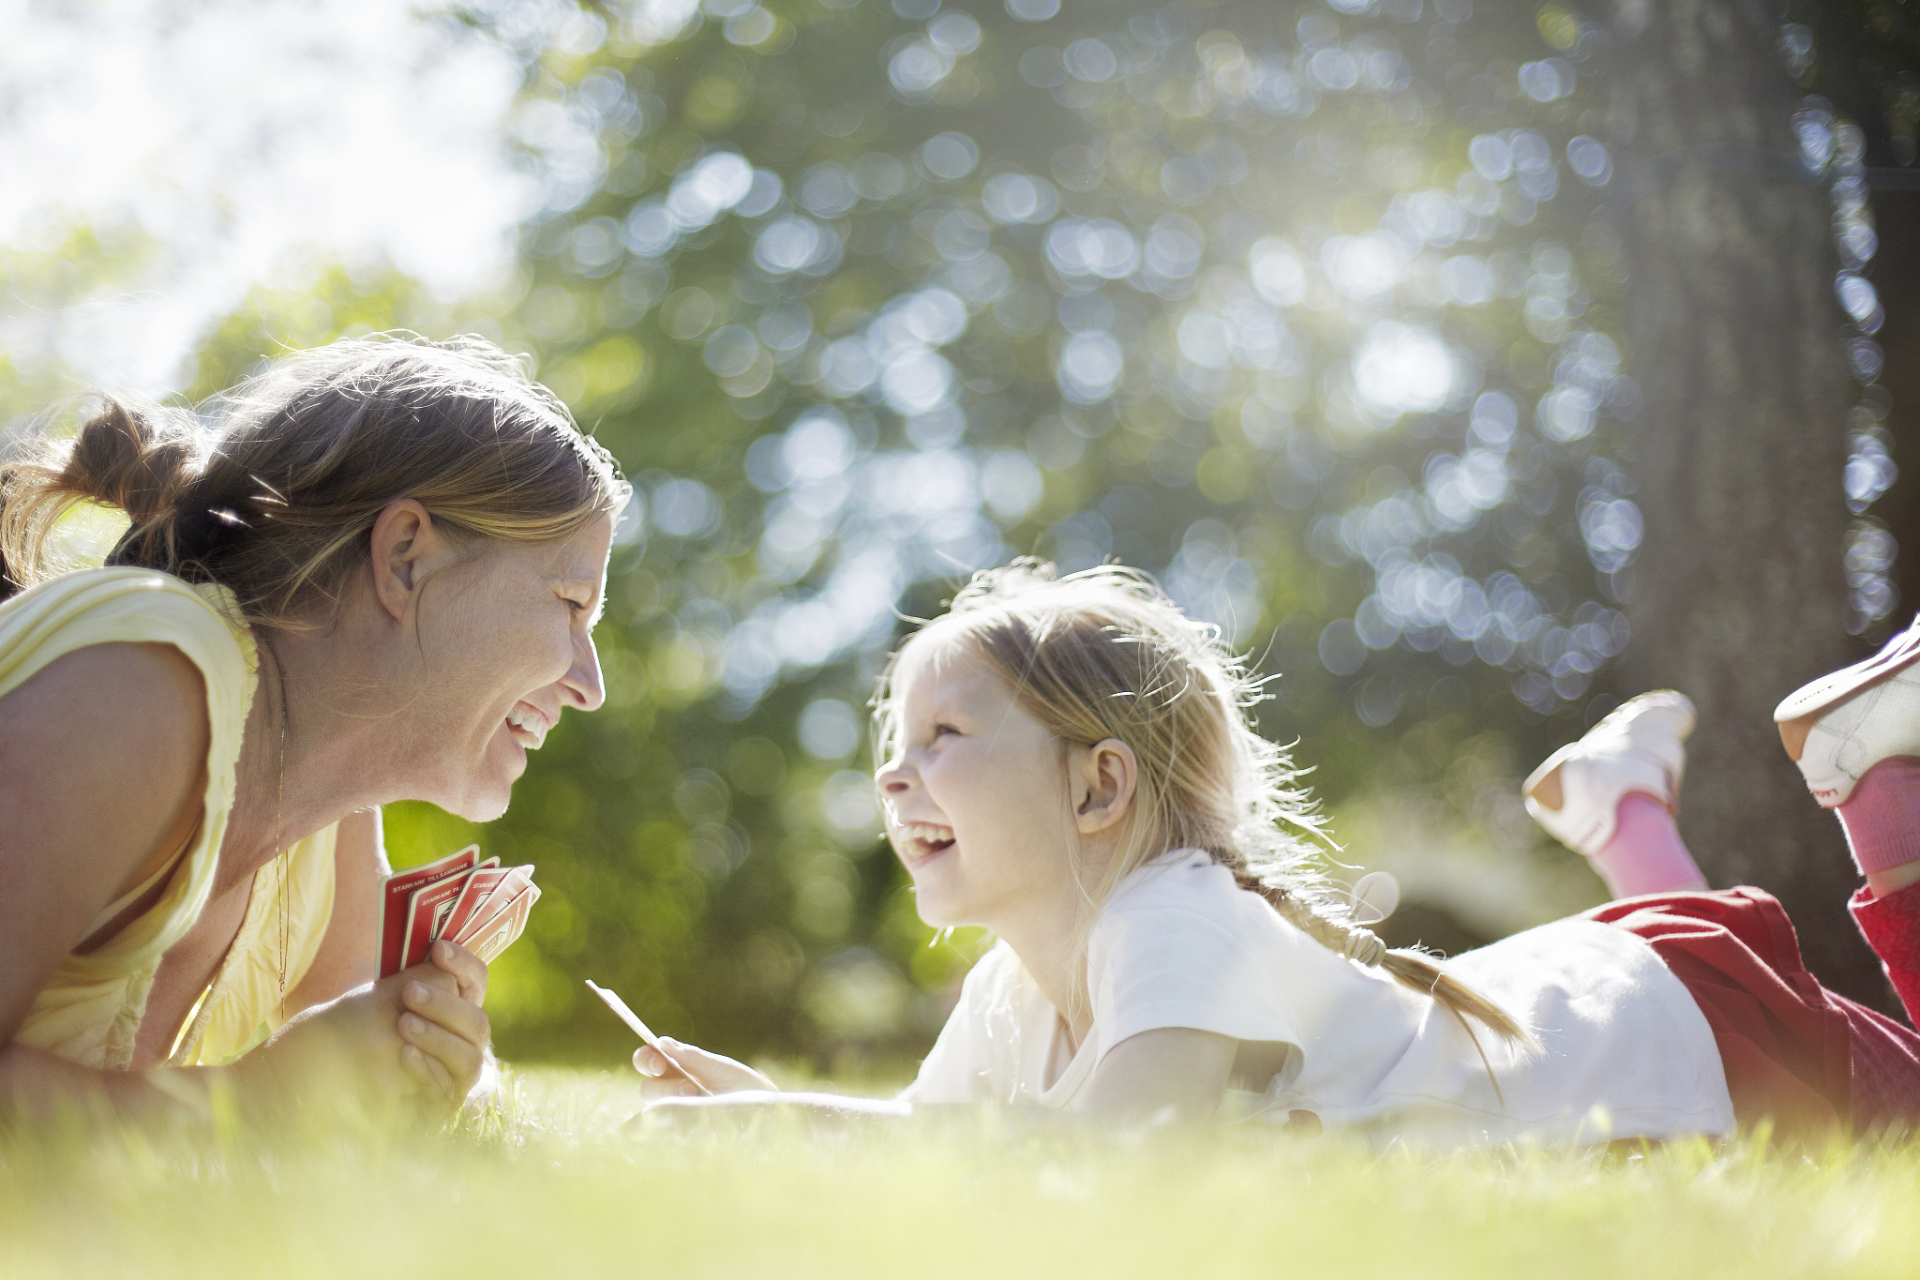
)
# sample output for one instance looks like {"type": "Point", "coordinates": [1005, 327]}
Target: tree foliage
{"type": "Point", "coordinates": [1312, 310]}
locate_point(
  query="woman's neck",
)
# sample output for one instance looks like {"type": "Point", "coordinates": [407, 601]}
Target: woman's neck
{"type": "Point", "coordinates": [309, 757]}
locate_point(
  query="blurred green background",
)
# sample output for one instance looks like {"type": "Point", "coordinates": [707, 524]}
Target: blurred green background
{"type": "Point", "coordinates": [1322, 312]}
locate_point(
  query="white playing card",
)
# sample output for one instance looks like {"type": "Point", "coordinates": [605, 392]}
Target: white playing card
{"type": "Point", "coordinates": [632, 1019]}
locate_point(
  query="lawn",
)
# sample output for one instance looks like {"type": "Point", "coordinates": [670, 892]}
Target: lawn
{"type": "Point", "coordinates": [548, 1184]}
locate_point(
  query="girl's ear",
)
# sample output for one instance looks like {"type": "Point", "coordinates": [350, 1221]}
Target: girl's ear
{"type": "Point", "coordinates": [1106, 775]}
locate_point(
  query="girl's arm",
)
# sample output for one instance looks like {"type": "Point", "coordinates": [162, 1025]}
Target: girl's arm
{"type": "Point", "coordinates": [1173, 1075]}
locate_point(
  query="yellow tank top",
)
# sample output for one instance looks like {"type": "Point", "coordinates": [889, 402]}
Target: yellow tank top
{"type": "Point", "coordinates": [90, 1011]}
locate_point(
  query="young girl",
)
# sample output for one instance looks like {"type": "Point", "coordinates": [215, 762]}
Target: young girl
{"type": "Point", "coordinates": [1069, 763]}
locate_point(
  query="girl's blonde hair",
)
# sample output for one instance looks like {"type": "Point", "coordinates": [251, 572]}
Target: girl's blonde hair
{"type": "Point", "coordinates": [271, 489]}
{"type": "Point", "coordinates": [1105, 654]}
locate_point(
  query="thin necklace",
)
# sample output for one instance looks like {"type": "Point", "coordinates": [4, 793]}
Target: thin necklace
{"type": "Point", "coordinates": [281, 893]}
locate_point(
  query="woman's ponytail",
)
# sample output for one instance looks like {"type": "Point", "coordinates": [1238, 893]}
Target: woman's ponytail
{"type": "Point", "coordinates": [141, 463]}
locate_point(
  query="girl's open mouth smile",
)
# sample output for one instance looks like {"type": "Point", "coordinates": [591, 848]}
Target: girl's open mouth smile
{"type": "Point", "coordinates": [918, 841]}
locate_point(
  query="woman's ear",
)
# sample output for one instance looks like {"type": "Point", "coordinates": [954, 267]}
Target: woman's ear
{"type": "Point", "coordinates": [407, 547]}
{"type": "Point", "coordinates": [1106, 775]}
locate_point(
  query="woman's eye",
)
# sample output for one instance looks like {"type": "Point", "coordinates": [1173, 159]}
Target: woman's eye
{"type": "Point", "coordinates": [941, 730]}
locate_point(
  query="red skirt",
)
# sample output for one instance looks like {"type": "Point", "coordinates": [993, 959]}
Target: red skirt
{"type": "Point", "coordinates": [1794, 1052]}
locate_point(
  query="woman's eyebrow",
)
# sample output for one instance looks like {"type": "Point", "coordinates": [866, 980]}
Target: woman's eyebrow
{"type": "Point", "coordinates": [596, 597]}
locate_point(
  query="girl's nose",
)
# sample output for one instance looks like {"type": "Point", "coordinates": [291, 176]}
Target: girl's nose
{"type": "Point", "coordinates": [892, 778]}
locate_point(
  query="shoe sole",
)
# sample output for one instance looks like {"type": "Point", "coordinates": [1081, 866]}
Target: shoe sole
{"type": "Point", "coordinates": [1801, 710]}
{"type": "Point", "coordinates": [1543, 784]}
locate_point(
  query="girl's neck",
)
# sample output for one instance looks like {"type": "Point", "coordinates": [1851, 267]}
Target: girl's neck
{"type": "Point", "coordinates": [1047, 934]}
{"type": "Point", "coordinates": [1055, 962]}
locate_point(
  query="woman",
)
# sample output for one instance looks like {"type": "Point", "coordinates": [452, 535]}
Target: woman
{"type": "Point", "coordinates": [373, 577]}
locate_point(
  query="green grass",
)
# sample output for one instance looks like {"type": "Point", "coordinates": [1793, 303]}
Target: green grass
{"type": "Point", "coordinates": [548, 1185]}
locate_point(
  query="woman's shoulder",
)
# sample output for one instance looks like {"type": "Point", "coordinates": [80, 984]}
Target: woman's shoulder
{"type": "Point", "coordinates": [128, 609]}
{"type": "Point", "coordinates": [121, 590]}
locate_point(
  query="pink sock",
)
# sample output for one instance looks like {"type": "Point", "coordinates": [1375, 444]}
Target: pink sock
{"type": "Point", "coordinates": [1882, 816]}
{"type": "Point", "coordinates": [1646, 854]}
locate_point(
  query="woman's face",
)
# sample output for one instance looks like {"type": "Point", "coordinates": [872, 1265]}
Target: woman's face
{"type": "Point", "coordinates": [506, 642]}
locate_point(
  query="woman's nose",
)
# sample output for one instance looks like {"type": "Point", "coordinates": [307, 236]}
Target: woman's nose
{"type": "Point", "coordinates": [583, 682]}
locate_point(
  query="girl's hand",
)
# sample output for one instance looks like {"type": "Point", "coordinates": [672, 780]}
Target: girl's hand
{"type": "Point", "coordinates": [419, 1033]}
{"type": "Point", "coordinates": [693, 1113]}
{"type": "Point", "coordinates": [671, 1074]}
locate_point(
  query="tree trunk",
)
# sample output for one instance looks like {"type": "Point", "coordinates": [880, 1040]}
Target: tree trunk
{"type": "Point", "coordinates": [1739, 444]}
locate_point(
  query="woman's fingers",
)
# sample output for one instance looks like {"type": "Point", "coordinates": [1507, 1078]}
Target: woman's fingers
{"type": "Point", "coordinates": [456, 1014]}
{"type": "Point", "coordinates": [465, 967]}
{"type": "Point", "coordinates": [427, 1072]}
{"type": "Point", "coordinates": [453, 1061]}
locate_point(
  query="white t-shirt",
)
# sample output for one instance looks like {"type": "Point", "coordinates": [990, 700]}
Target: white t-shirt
{"type": "Point", "coordinates": [1625, 1050]}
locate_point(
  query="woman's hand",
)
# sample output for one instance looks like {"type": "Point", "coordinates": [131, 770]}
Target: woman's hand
{"type": "Point", "coordinates": [420, 1032]}
{"type": "Point", "coordinates": [671, 1070]}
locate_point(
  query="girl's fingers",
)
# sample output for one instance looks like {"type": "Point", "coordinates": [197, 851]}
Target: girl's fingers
{"type": "Point", "coordinates": [465, 967]}
{"type": "Point", "coordinates": [462, 1017]}
{"type": "Point", "coordinates": [717, 1072]}
{"type": "Point", "coordinates": [677, 1087]}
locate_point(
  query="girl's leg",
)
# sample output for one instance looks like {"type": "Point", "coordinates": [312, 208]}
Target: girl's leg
{"type": "Point", "coordinates": [1855, 735]}
{"type": "Point", "coordinates": [1611, 796]}
{"type": "Point", "coordinates": [1646, 854]}
{"type": "Point", "coordinates": [1882, 822]}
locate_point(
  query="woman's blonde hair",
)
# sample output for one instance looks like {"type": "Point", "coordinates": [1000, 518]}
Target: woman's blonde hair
{"type": "Point", "coordinates": [271, 489]}
{"type": "Point", "coordinates": [1105, 654]}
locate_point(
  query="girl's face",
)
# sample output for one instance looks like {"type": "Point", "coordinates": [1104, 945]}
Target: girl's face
{"type": "Point", "coordinates": [507, 642]}
{"type": "Point", "coordinates": [976, 797]}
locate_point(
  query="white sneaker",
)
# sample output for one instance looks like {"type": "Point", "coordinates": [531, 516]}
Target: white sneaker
{"type": "Point", "coordinates": [1636, 748]}
{"type": "Point", "coordinates": [1844, 723]}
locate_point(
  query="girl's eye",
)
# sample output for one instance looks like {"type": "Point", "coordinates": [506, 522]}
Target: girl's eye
{"type": "Point", "coordinates": [941, 730]}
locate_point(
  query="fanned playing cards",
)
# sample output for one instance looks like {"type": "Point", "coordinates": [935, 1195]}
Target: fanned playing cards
{"type": "Point", "coordinates": [482, 906]}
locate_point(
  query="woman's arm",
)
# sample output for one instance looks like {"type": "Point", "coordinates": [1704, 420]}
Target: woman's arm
{"type": "Point", "coordinates": [102, 754]}
{"type": "Point", "coordinates": [349, 955]}
{"type": "Point", "coordinates": [101, 761]}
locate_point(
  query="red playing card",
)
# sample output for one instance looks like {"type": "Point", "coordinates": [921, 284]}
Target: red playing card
{"type": "Point", "coordinates": [482, 881]}
{"type": "Point", "coordinates": [501, 932]}
{"type": "Point", "coordinates": [400, 889]}
{"type": "Point", "coordinates": [427, 915]}
{"type": "Point", "coordinates": [511, 886]}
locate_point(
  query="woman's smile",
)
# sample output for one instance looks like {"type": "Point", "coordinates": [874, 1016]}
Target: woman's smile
{"type": "Point", "coordinates": [528, 725]}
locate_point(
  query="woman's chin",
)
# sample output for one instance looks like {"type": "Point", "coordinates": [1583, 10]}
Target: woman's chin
{"type": "Point", "coordinates": [484, 798]}
{"type": "Point", "coordinates": [477, 804]}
